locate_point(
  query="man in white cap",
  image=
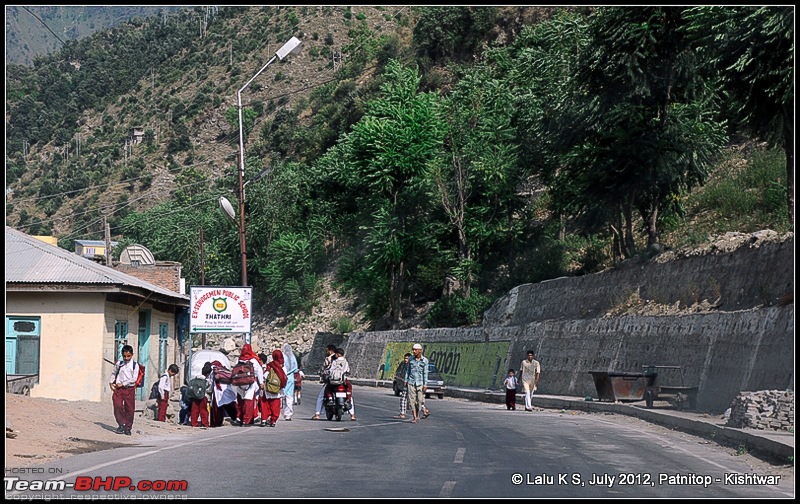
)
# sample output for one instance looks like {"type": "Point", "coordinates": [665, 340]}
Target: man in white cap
{"type": "Point", "coordinates": [416, 380]}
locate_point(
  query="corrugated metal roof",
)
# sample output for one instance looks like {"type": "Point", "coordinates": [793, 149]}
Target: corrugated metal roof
{"type": "Point", "coordinates": [31, 261]}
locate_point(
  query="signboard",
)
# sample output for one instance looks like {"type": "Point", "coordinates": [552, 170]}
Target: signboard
{"type": "Point", "coordinates": [461, 364]}
{"type": "Point", "coordinates": [220, 309]}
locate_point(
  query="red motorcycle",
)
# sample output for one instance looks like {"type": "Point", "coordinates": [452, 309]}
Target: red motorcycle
{"type": "Point", "coordinates": [338, 400]}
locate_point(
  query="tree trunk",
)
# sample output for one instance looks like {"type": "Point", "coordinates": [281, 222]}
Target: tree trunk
{"type": "Point", "coordinates": [788, 147]}
{"type": "Point", "coordinates": [395, 293]}
{"type": "Point", "coordinates": [629, 246]}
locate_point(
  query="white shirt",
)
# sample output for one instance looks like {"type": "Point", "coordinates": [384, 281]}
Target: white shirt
{"type": "Point", "coordinates": [127, 374]}
{"type": "Point", "coordinates": [164, 384]}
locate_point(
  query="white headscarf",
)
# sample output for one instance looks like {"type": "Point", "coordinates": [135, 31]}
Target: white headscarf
{"type": "Point", "coordinates": [289, 367]}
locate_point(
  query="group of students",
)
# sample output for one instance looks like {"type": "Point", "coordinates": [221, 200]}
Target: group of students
{"type": "Point", "coordinates": [246, 403]}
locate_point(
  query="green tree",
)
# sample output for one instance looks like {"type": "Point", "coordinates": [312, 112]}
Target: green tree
{"type": "Point", "coordinates": [475, 179]}
{"type": "Point", "coordinates": [752, 51]}
{"type": "Point", "coordinates": [647, 131]}
{"type": "Point", "coordinates": [391, 150]}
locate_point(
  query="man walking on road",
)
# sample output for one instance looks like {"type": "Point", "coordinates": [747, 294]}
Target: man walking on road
{"type": "Point", "coordinates": [529, 372]}
{"type": "Point", "coordinates": [416, 381]}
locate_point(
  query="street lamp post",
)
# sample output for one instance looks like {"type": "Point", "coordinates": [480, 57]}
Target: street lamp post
{"type": "Point", "coordinates": [290, 47]}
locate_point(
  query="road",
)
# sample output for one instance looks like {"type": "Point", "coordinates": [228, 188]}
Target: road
{"type": "Point", "coordinates": [464, 449]}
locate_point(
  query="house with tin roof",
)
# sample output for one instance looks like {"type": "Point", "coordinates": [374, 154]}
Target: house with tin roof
{"type": "Point", "coordinates": [67, 318]}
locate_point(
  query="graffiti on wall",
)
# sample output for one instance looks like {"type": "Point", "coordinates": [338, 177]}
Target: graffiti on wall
{"type": "Point", "coordinates": [474, 365]}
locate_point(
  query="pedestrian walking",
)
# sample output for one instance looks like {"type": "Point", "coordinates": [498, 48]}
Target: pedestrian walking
{"type": "Point", "coordinates": [298, 385]}
{"type": "Point", "coordinates": [271, 401]}
{"type": "Point", "coordinates": [223, 397]}
{"type": "Point", "coordinates": [164, 389]}
{"type": "Point", "coordinates": [199, 407]}
{"type": "Point", "coordinates": [529, 372]}
{"type": "Point", "coordinates": [416, 381]}
{"type": "Point", "coordinates": [123, 384]}
{"type": "Point", "coordinates": [245, 394]}
{"type": "Point", "coordinates": [511, 390]}
{"type": "Point", "coordinates": [289, 368]}
{"type": "Point", "coordinates": [404, 390]}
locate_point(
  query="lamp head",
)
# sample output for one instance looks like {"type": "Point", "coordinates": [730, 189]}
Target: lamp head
{"type": "Point", "coordinates": [290, 47]}
{"type": "Point", "coordinates": [226, 207]}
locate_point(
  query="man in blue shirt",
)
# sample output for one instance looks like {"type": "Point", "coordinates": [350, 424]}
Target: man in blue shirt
{"type": "Point", "coordinates": [416, 380]}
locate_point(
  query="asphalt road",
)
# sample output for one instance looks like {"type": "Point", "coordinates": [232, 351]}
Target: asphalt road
{"type": "Point", "coordinates": [464, 449]}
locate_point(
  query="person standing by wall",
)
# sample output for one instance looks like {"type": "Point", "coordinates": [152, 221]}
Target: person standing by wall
{"type": "Point", "coordinates": [123, 385]}
{"type": "Point", "coordinates": [511, 390]}
{"type": "Point", "coordinates": [164, 389]}
{"type": "Point", "coordinates": [416, 381]}
{"type": "Point", "coordinates": [330, 354]}
{"type": "Point", "coordinates": [529, 372]}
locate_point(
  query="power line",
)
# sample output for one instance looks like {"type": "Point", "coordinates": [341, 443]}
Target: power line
{"type": "Point", "coordinates": [45, 25]}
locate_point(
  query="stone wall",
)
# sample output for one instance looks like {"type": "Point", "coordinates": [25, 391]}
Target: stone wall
{"type": "Point", "coordinates": [764, 410]}
{"type": "Point", "coordinates": [746, 343]}
{"type": "Point", "coordinates": [757, 273]}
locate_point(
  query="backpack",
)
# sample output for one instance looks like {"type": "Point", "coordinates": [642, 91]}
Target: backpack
{"type": "Point", "coordinates": [273, 382]}
{"type": "Point", "coordinates": [222, 375]}
{"type": "Point", "coordinates": [154, 393]}
{"type": "Point", "coordinates": [336, 372]}
{"type": "Point", "coordinates": [197, 388]}
{"type": "Point", "coordinates": [243, 374]}
{"type": "Point", "coordinates": [140, 377]}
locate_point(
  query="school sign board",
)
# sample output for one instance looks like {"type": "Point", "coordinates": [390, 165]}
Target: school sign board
{"type": "Point", "coordinates": [217, 308]}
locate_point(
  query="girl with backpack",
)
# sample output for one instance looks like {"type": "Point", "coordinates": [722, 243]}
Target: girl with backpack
{"type": "Point", "coordinates": [271, 401]}
{"type": "Point", "coordinates": [246, 393]}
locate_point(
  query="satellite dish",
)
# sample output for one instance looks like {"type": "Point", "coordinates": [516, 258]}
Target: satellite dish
{"type": "Point", "coordinates": [136, 255]}
{"type": "Point", "coordinates": [226, 207]}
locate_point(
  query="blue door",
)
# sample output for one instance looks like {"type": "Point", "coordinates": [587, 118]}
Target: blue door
{"type": "Point", "coordinates": [144, 352]}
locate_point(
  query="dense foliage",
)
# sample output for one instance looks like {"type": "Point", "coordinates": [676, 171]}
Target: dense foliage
{"type": "Point", "coordinates": [444, 171]}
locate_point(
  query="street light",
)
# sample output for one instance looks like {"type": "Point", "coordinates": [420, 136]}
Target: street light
{"type": "Point", "coordinates": [290, 47]}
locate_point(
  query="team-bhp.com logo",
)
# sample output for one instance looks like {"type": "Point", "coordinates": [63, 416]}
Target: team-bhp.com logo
{"type": "Point", "coordinates": [94, 484]}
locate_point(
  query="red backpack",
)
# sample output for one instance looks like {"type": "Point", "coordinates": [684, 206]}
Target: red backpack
{"type": "Point", "coordinates": [243, 374]}
{"type": "Point", "coordinates": [140, 377]}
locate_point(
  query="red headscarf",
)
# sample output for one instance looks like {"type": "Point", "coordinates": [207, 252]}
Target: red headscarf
{"type": "Point", "coordinates": [247, 353]}
{"type": "Point", "coordinates": [277, 364]}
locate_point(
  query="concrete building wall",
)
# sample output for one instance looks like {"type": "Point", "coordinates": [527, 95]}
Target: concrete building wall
{"type": "Point", "coordinates": [76, 344]}
{"type": "Point", "coordinates": [70, 343]}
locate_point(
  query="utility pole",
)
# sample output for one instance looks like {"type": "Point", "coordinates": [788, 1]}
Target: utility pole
{"type": "Point", "coordinates": [107, 227]}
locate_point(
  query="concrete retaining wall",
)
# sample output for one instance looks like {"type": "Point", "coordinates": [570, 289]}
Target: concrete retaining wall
{"type": "Point", "coordinates": [756, 352]}
{"type": "Point", "coordinates": [743, 279]}
{"type": "Point", "coordinates": [748, 344]}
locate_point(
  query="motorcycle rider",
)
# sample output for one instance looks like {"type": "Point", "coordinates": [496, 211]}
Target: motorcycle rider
{"type": "Point", "coordinates": [330, 351]}
{"type": "Point", "coordinates": [339, 360]}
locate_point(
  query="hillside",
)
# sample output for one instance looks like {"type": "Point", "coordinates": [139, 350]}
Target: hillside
{"type": "Point", "coordinates": [37, 30]}
{"type": "Point", "coordinates": [157, 145]}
